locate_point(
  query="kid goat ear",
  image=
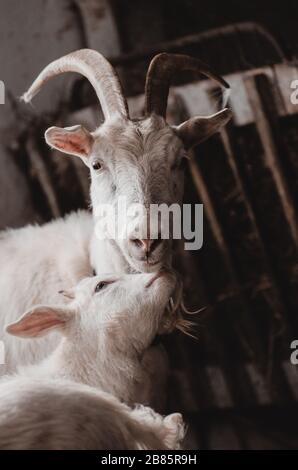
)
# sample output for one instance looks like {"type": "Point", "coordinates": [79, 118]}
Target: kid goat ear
{"type": "Point", "coordinates": [39, 321]}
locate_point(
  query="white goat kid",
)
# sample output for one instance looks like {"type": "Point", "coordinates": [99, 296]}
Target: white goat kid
{"type": "Point", "coordinates": [140, 160]}
{"type": "Point", "coordinates": [59, 415]}
{"type": "Point", "coordinates": [107, 329]}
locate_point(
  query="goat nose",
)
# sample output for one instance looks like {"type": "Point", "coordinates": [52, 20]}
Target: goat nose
{"type": "Point", "coordinates": [146, 245]}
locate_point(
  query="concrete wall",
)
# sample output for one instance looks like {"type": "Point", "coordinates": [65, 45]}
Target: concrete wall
{"type": "Point", "coordinates": [32, 34]}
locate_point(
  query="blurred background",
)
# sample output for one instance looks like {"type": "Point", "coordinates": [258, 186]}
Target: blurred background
{"type": "Point", "coordinates": [234, 383]}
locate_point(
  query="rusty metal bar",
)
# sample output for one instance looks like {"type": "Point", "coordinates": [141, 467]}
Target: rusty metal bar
{"type": "Point", "coordinates": [40, 171]}
{"type": "Point", "coordinates": [271, 157]}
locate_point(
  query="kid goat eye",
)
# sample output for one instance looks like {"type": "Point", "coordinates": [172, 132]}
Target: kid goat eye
{"type": "Point", "coordinates": [96, 166]}
{"type": "Point", "coordinates": [100, 286]}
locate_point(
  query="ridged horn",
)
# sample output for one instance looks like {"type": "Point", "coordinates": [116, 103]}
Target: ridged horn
{"type": "Point", "coordinates": [92, 65]}
{"type": "Point", "coordinates": [159, 76]}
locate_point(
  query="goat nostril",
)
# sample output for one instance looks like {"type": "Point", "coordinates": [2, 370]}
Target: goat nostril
{"type": "Point", "coordinates": [137, 242]}
{"type": "Point", "coordinates": [146, 245]}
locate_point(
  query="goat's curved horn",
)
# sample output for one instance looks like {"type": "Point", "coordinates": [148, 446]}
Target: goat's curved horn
{"type": "Point", "coordinates": [96, 69]}
{"type": "Point", "coordinates": [160, 72]}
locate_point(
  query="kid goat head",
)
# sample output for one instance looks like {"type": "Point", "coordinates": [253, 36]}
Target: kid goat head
{"type": "Point", "coordinates": [107, 329]}
{"type": "Point", "coordinates": [138, 159]}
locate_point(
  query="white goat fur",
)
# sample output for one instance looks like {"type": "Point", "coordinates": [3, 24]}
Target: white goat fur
{"type": "Point", "coordinates": [37, 262]}
{"type": "Point", "coordinates": [105, 334]}
{"type": "Point", "coordinates": [106, 329]}
{"type": "Point", "coordinates": [62, 415]}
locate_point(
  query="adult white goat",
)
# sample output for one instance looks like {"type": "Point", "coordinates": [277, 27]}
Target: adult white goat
{"type": "Point", "coordinates": [140, 160]}
{"type": "Point", "coordinates": [107, 329]}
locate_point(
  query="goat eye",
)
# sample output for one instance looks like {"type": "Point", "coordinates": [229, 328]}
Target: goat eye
{"type": "Point", "coordinates": [96, 166]}
{"type": "Point", "coordinates": [100, 286]}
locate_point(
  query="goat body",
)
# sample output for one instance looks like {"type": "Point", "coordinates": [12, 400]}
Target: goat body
{"type": "Point", "coordinates": [60, 415]}
{"type": "Point", "coordinates": [35, 263]}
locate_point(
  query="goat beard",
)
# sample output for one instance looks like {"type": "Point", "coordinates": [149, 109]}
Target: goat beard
{"type": "Point", "coordinates": [175, 315]}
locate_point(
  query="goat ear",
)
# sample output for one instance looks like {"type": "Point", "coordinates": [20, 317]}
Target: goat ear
{"type": "Point", "coordinates": [75, 140]}
{"type": "Point", "coordinates": [39, 320]}
{"type": "Point", "coordinates": [200, 128]}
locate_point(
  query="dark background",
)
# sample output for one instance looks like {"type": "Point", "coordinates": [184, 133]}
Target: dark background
{"type": "Point", "coordinates": [235, 383]}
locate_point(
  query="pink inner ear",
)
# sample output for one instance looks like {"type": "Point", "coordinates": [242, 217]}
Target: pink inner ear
{"type": "Point", "coordinates": [34, 323]}
{"type": "Point", "coordinates": [73, 143]}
